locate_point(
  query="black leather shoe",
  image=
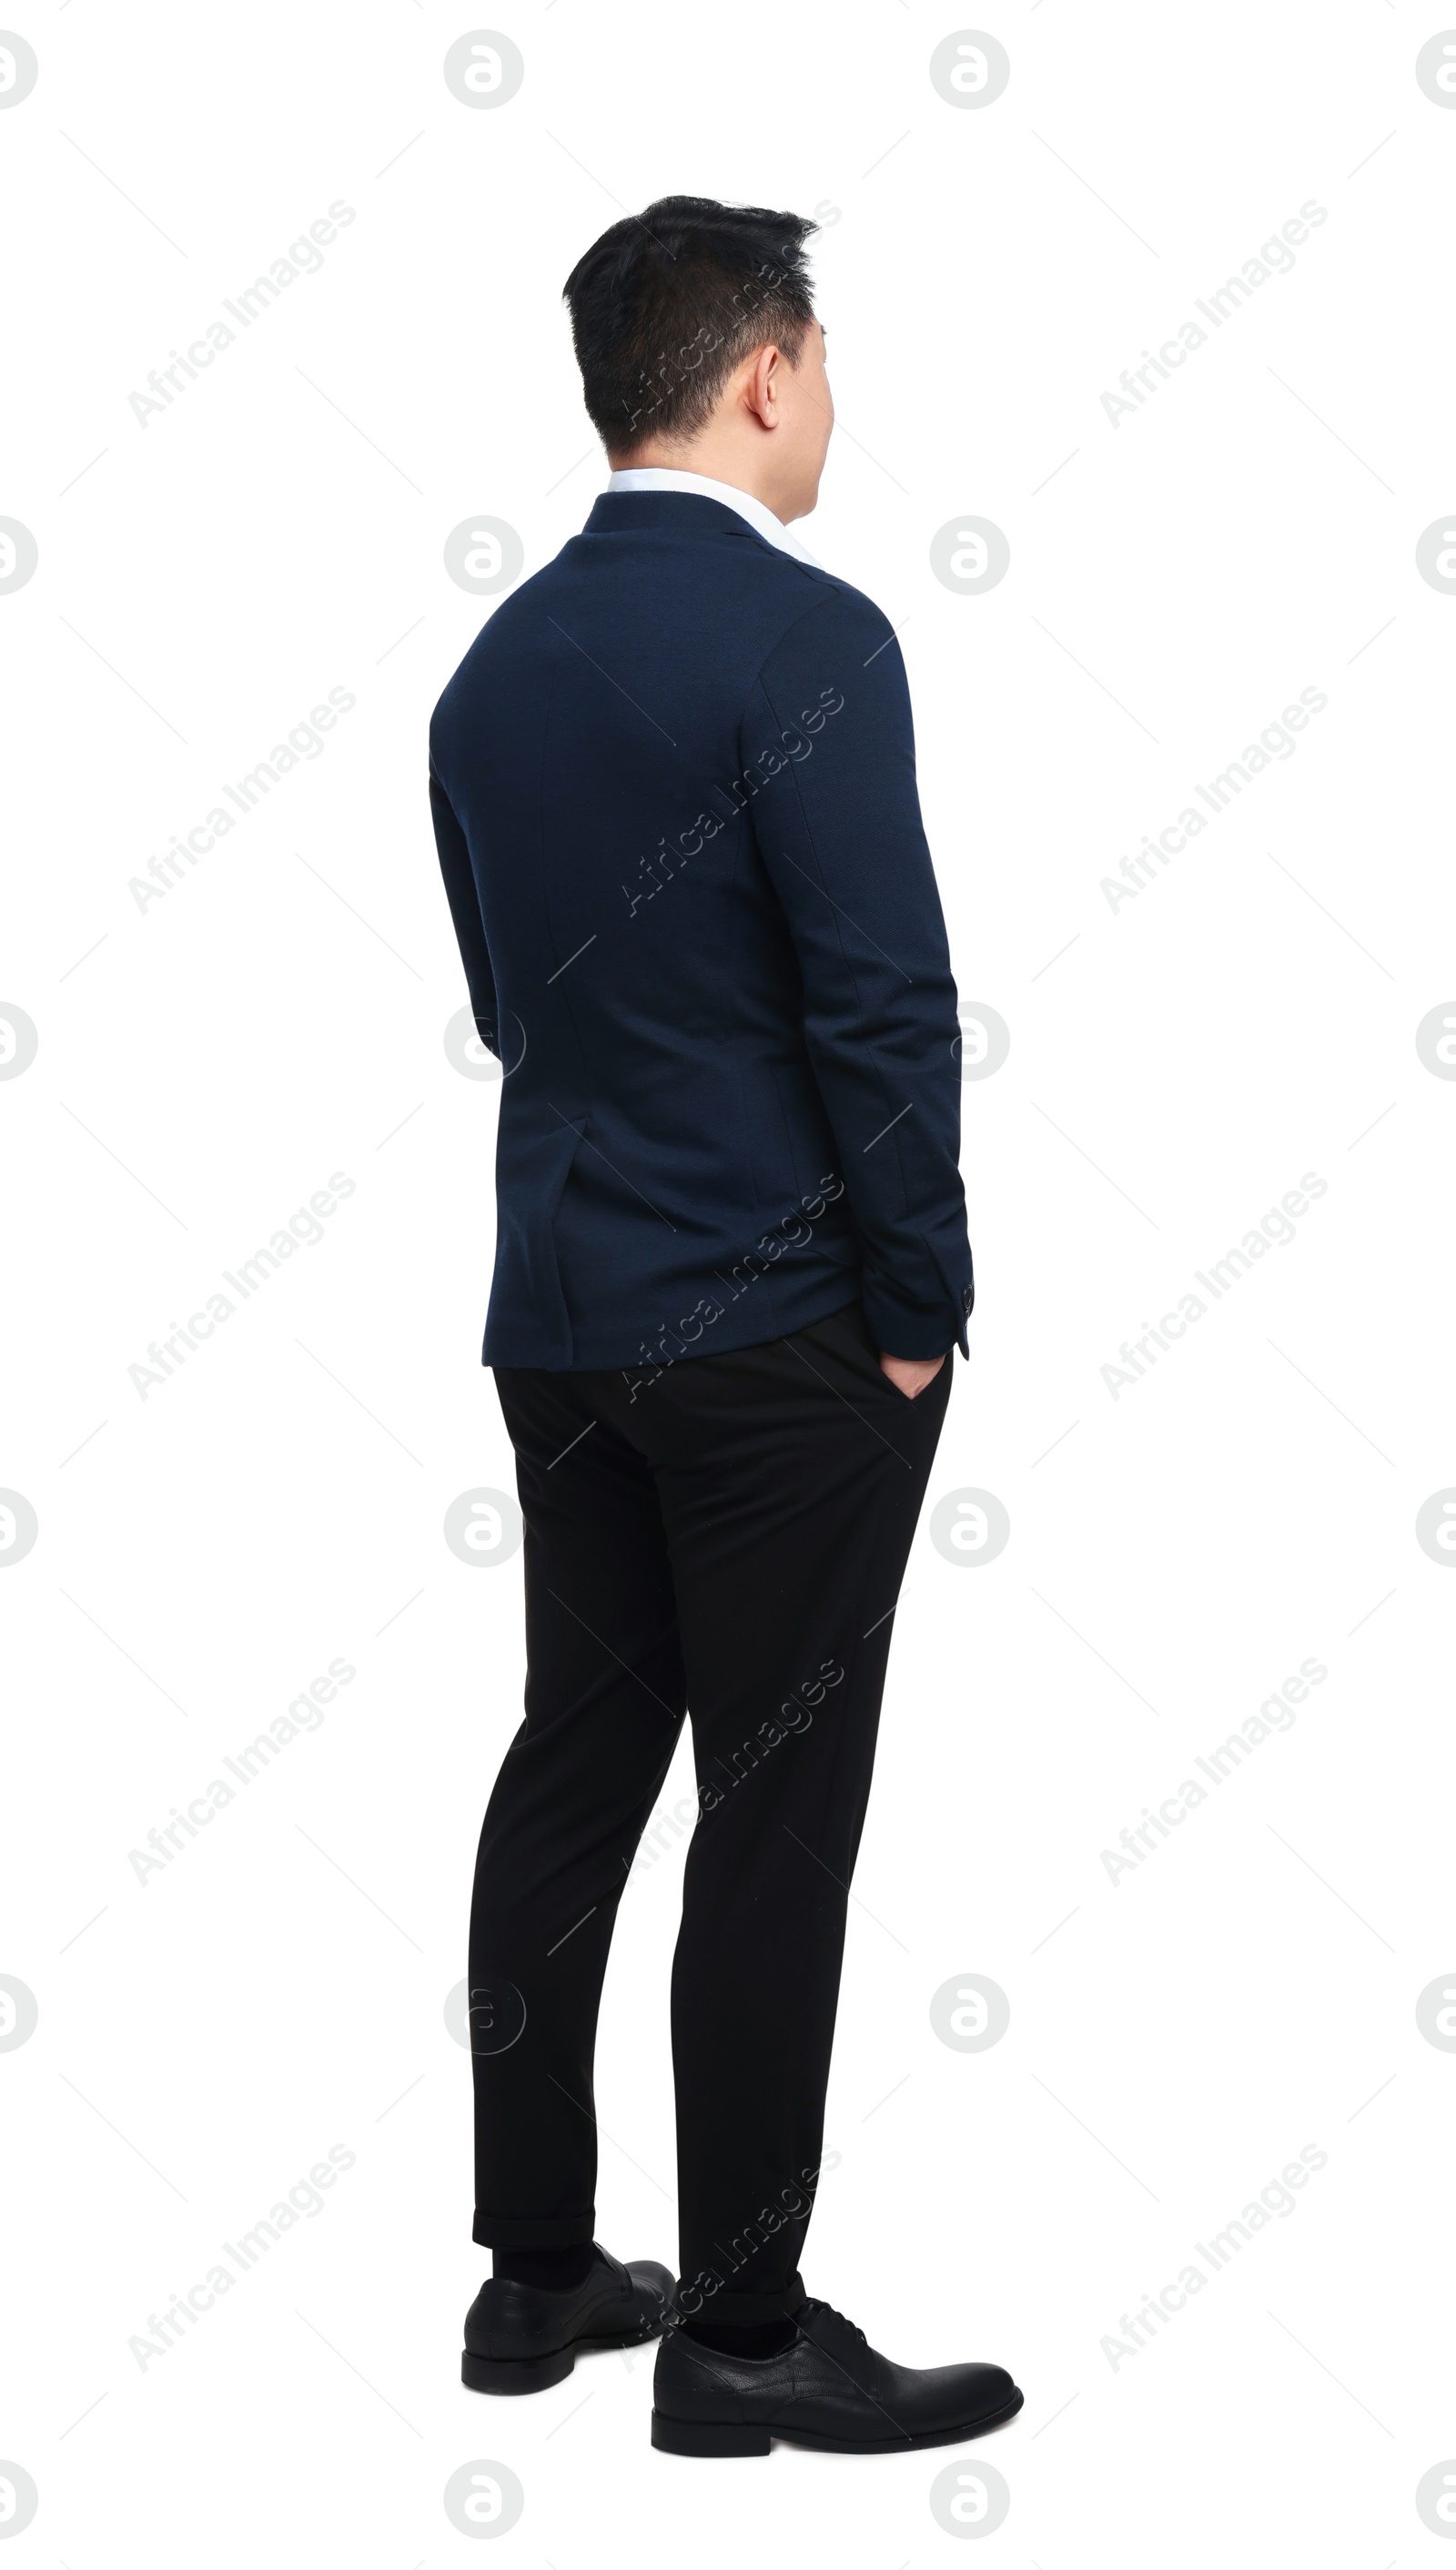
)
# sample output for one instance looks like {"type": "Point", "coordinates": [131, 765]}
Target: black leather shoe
{"type": "Point", "coordinates": [524, 2338]}
{"type": "Point", "coordinates": [829, 2390]}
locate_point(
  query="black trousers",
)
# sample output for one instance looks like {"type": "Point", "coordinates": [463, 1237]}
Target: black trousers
{"type": "Point", "coordinates": [725, 1537]}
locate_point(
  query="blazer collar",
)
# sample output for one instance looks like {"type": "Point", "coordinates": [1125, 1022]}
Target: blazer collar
{"type": "Point", "coordinates": [651, 481]}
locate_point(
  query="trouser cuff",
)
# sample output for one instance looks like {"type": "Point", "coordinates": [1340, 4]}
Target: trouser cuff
{"type": "Point", "coordinates": [490, 2231]}
{"type": "Point", "coordinates": [693, 2301]}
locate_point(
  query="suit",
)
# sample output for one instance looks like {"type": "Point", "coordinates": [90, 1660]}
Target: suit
{"type": "Point", "coordinates": [674, 791]}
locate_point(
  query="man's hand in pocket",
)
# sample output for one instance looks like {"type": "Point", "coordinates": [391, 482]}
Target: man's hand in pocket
{"type": "Point", "coordinates": [910, 1375]}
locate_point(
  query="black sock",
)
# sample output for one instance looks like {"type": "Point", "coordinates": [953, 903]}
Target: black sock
{"type": "Point", "coordinates": [762, 2338]}
{"type": "Point", "coordinates": [558, 2268]}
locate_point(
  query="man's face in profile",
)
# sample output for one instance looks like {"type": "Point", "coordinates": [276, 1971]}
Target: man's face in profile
{"type": "Point", "coordinates": [807, 418]}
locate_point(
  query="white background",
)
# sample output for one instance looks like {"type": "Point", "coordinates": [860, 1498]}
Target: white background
{"type": "Point", "coordinates": [205, 1064]}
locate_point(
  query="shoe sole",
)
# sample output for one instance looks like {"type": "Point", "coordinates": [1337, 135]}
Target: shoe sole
{"type": "Point", "coordinates": [516, 2373]}
{"type": "Point", "coordinates": [687, 2436]}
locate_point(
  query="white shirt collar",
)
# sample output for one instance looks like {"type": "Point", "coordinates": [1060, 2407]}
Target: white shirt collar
{"type": "Point", "coordinates": [699, 486]}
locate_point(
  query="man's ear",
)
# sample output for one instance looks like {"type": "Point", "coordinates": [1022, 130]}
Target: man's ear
{"type": "Point", "coordinates": [761, 391]}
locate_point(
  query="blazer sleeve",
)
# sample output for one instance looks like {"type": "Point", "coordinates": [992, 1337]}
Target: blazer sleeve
{"type": "Point", "coordinates": [837, 816]}
{"type": "Point", "coordinates": [464, 901]}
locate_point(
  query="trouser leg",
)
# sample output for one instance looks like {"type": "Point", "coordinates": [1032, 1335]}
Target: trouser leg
{"type": "Point", "coordinates": [603, 1706]}
{"type": "Point", "coordinates": [791, 1479]}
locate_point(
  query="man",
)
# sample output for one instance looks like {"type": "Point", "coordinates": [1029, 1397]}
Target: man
{"type": "Point", "coordinates": [673, 793]}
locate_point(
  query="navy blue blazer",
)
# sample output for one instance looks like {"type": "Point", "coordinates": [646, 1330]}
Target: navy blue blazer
{"type": "Point", "coordinates": [674, 792]}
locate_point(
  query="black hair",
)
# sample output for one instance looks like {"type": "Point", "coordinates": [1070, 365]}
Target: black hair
{"type": "Point", "coordinates": [669, 302]}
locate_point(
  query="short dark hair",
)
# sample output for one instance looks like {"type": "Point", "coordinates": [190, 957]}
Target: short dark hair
{"type": "Point", "coordinates": [669, 302]}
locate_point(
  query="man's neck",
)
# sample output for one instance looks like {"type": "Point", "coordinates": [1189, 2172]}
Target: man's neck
{"type": "Point", "coordinates": [728, 469]}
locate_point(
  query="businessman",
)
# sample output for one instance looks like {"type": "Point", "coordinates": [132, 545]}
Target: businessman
{"type": "Point", "coordinates": [674, 794]}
